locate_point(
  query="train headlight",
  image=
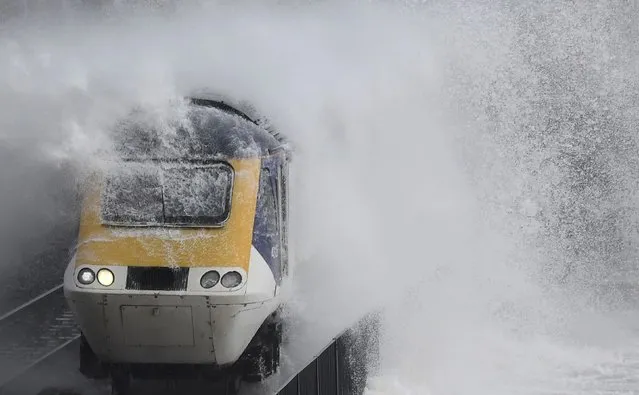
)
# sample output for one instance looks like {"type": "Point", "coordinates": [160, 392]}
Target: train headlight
{"type": "Point", "coordinates": [106, 277]}
{"type": "Point", "coordinates": [86, 276]}
{"type": "Point", "coordinates": [209, 279]}
{"type": "Point", "coordinates": [231, 279]}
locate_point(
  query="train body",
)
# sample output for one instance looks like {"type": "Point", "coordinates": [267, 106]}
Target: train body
{"type": "Point", "coordinates": [182, 250]}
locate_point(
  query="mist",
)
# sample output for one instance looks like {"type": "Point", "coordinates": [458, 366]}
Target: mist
{"type": "Point", "coordinates": [468, 168]}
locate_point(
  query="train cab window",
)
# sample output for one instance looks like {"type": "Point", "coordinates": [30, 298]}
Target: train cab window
{"type": "Point", "coordinates": [197, 195]}
{"type": "Point", "coordinates": [177, 195]}
{"type": "Point", "coordinates": [267, 235]}
{"type": "Point", "coordinates": [133, 195]}
{"type": "Point", "coordinates": [267, 195]}
{"type": "Point", "coordinates": [283, 195]}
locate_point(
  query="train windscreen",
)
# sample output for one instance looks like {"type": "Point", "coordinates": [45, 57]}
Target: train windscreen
{"type": "Point", "coordinates": [197, 195]}
{"type": "Point", "coordinates": [143, 194]}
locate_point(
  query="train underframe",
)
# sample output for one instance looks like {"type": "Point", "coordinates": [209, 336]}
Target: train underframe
{"type": "Point", "coordinates": [260, 360]}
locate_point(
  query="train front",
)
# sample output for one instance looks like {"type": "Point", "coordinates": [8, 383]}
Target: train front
{"type": "Point", "coordinates": [165, 270]}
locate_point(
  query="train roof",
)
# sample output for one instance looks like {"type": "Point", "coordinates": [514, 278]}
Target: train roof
{"type": "Point", "coordinates": [212, 128]}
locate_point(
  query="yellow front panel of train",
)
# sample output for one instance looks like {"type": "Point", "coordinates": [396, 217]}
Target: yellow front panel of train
{"type": "Point", "coordinates": [227, 246]}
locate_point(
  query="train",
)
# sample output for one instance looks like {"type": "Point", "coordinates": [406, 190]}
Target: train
{"type": "Point", "coordinates": [182, 249]}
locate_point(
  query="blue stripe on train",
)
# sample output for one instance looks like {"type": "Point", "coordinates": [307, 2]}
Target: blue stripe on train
{"type": "Point", "coordinates": [266, 235]}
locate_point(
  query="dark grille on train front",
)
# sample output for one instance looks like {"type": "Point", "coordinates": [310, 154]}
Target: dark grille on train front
{"type": "Point", "coordinates": [157, 278]}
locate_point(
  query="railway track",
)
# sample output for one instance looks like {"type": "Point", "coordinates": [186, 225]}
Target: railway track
{"type": "Point", "coordinates": [34, 331]}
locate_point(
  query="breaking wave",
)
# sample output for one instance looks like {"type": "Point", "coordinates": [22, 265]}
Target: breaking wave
{"type": "Point", "coordinates": [468, 167]}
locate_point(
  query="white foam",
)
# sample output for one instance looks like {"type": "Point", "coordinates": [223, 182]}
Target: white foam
{"type": "Point", "coordinates": [421, 132]}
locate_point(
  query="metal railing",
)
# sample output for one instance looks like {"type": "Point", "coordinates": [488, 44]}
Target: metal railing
{"type": "Point", "coordinates": [343, 366]}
